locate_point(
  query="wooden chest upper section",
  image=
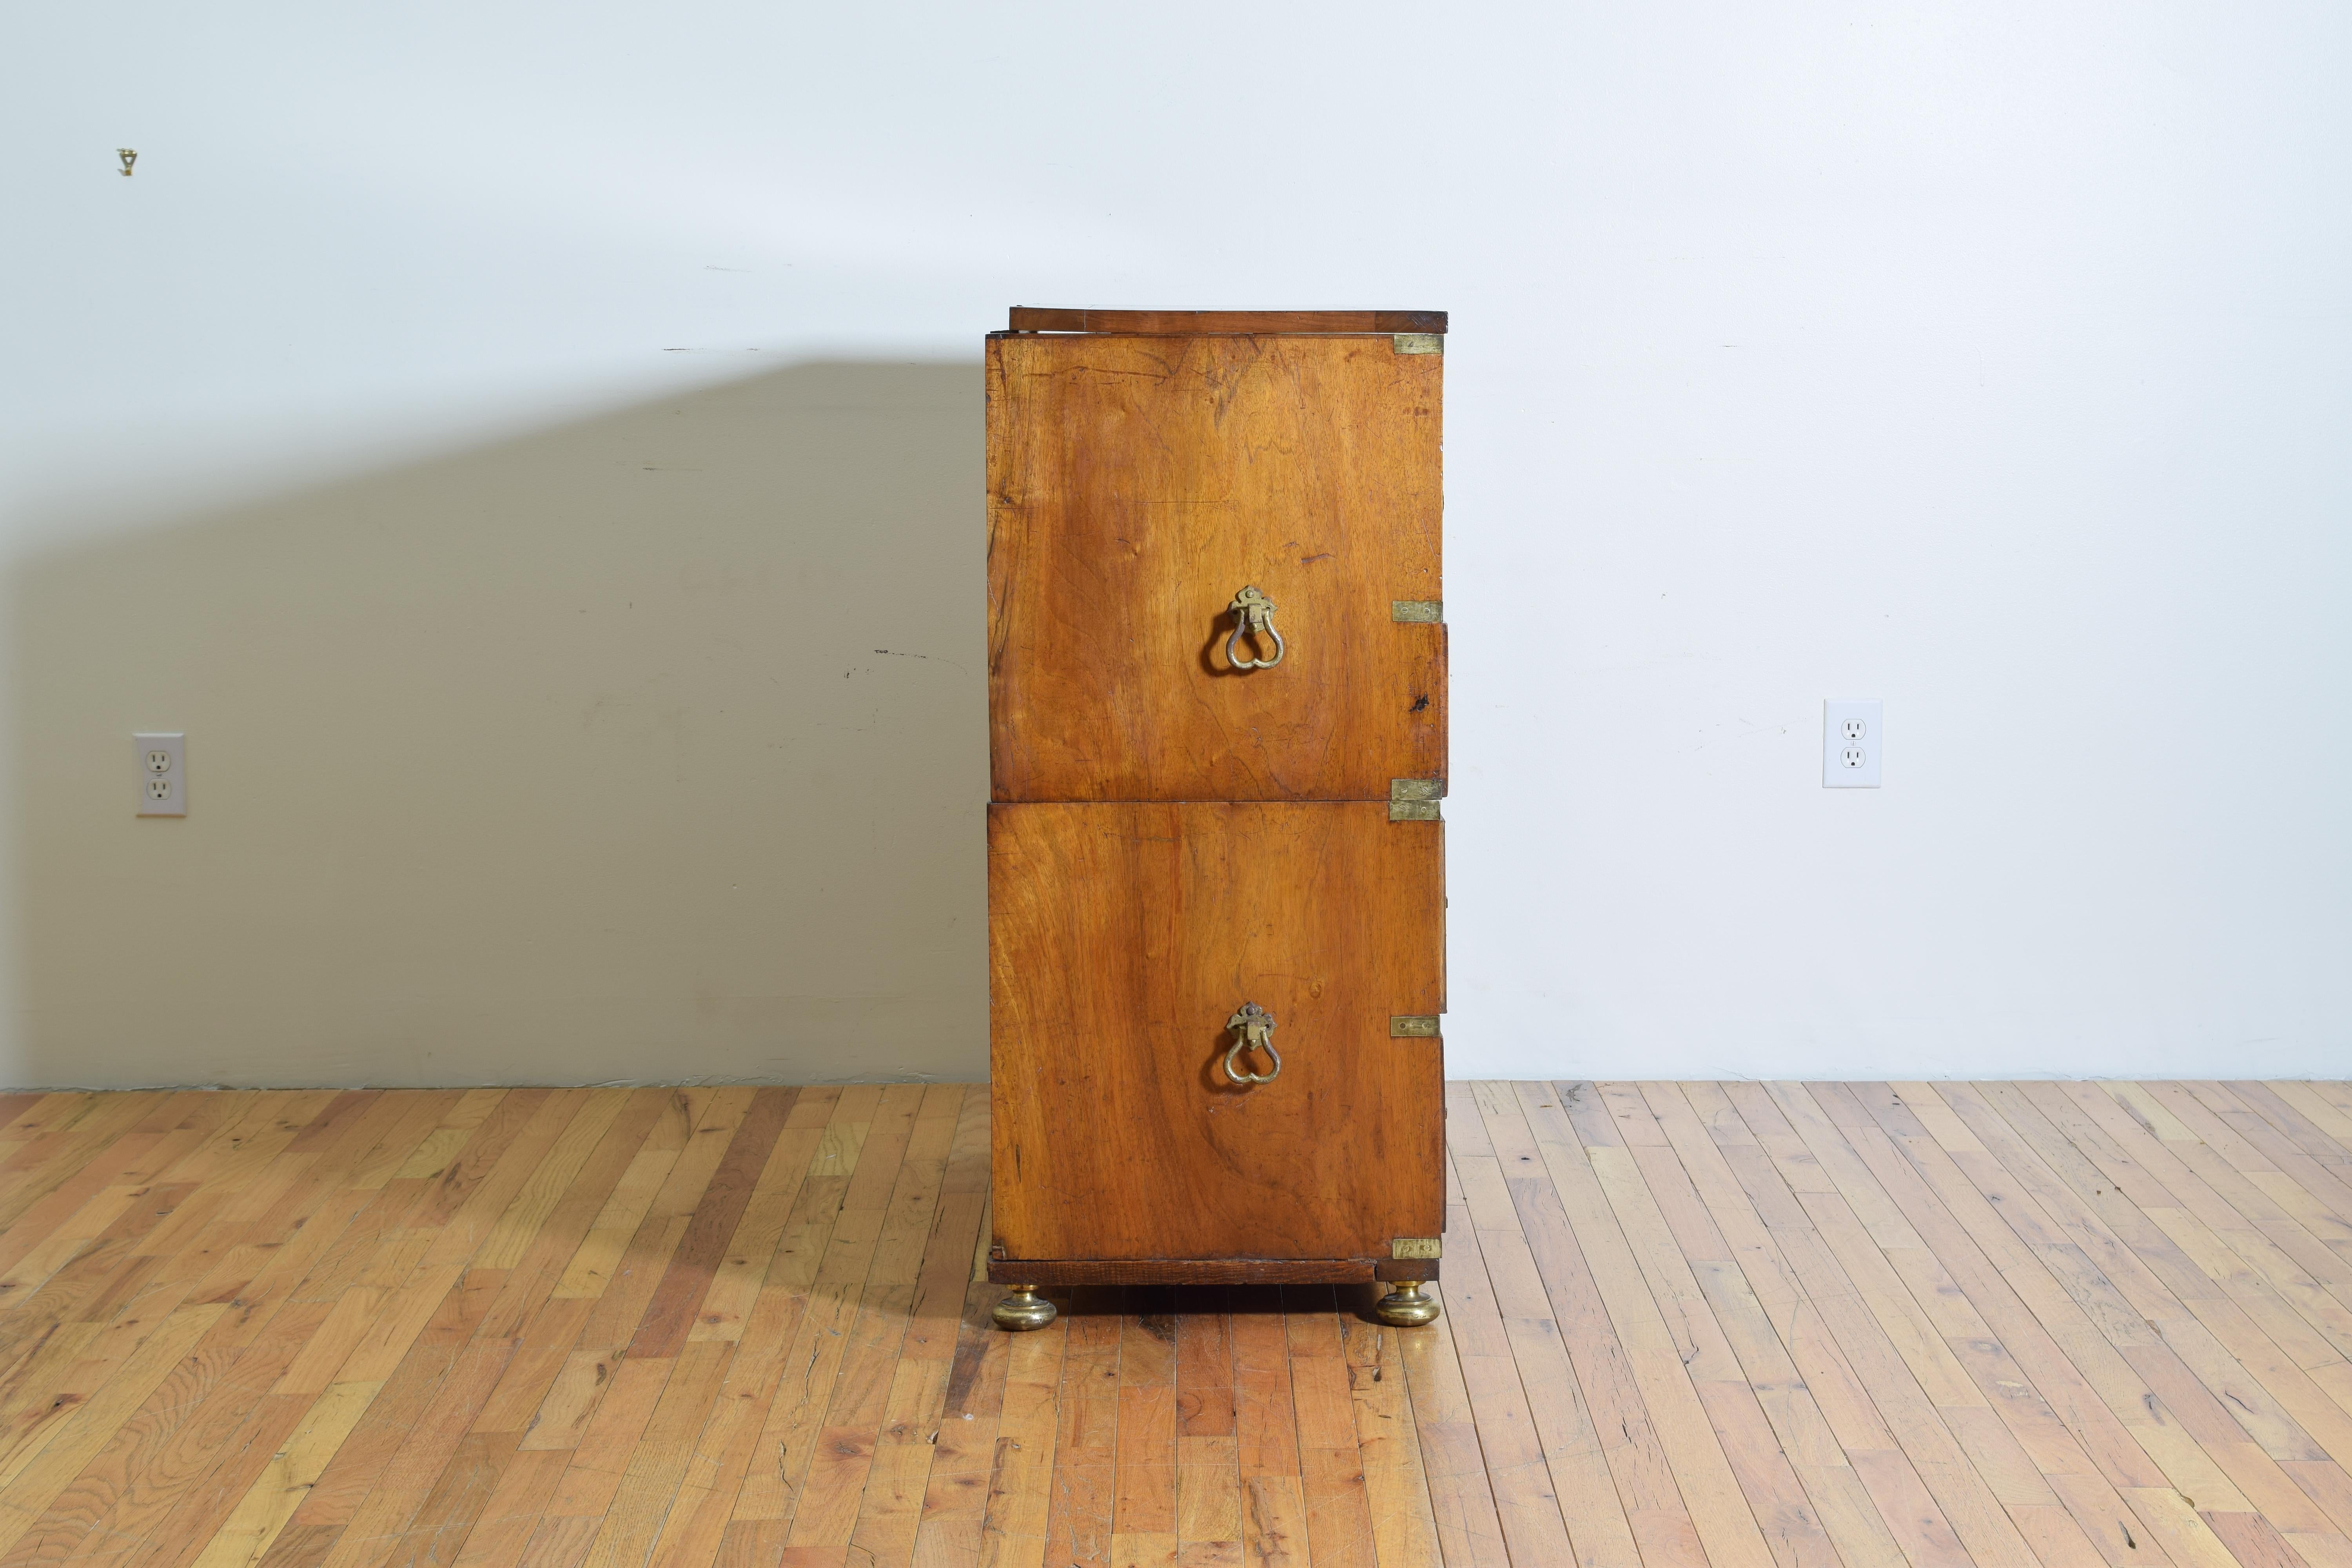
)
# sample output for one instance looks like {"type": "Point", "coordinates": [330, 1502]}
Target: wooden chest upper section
{"type": "Point", "coordinates": [1146, 468]}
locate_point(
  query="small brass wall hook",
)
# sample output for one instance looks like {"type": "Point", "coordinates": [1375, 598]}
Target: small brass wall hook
{"type": "Point", "coordinates": [1255, 1026]}
{"type": "Point", "coordinates": [129, 155]}
{"type": "Point", "coordinates": [1252, 613]}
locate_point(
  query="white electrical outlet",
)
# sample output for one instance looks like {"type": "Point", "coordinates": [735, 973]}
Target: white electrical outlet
{"type": "Point", "coordinates": [162, 775]}
{"type": "Point", "coordinates": [1853, 736]}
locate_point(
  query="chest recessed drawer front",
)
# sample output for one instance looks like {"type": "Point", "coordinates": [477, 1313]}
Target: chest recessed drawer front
{"type": "Point", "coordinates": [1140, 489]}
{"type": "Point", "coordinates": [1125, 940]}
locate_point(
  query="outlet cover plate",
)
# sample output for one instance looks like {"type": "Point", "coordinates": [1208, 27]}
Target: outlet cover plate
{"type": "Point", "coordinates": [163, 760]}
{"type": "Point", "coordinates": [1854, 734]}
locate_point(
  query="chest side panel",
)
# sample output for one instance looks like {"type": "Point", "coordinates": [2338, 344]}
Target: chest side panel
{"type": "Point", "coordinates": [1136, 485]}
{"type": "Point", "coordinates": [1123, 938]}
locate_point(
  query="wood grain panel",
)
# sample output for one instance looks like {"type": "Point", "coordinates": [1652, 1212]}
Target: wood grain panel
{"type": "Point", "coordinates": [1122, 938]}
{"type": "Point", "coordinates": [1135, 484]}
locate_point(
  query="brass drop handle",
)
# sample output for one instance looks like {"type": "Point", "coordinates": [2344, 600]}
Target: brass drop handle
{"type": "Point", "coordinates": [1254, 1031]}
{"type": "Point", "coordinates": [1252, 613]}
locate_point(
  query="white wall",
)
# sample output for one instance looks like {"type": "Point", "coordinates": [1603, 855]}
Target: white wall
{"type": "Point", "coordinates": [1986, 359]}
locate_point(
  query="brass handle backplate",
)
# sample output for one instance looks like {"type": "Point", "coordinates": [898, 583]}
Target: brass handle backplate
{"type": "Point", "coordinates": [1254, 1031]}
{"type": "Point", "coordinates": [1252, 613]}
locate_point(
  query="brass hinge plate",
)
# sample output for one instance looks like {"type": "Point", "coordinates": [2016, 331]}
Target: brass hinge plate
{"type": "Point", "coordinates": [1427, 612]}
{"type": "Point", "coordinates": [1417, 1246]}
{"type": "Point", "coordinates": [1415, 800]}
{"type": "Point", "coordinates": [1421, 343]}
{"type": "Point", "coordinates": [1413, 1026]}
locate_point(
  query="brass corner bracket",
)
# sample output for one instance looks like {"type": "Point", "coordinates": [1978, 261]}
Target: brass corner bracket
{"type": "Point", "coordinates": [1415, 800]}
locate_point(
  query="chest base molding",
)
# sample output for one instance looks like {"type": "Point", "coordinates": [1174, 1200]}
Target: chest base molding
{"type": "Point", "coordinates": [1208, 1270]}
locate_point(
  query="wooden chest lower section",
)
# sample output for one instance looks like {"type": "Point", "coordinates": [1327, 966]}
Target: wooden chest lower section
{"type": "Point", "coordinates": [1123, 939]}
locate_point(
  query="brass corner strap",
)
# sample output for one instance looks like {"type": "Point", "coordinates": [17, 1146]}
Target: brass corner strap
{"type": "Point", "coordinates": [1417, 1246]}
{"type": "Point", "coordinates": [1420, 612]}
{"type": "Point", "coordinates": [1415, 800]}
{"type": "Point", "coordinates": [1413, 1026]}
{"type": "Point", "coordinates": [1420, 342]}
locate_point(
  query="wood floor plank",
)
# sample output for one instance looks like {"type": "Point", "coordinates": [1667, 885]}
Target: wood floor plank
{"type": "Point", "coordinates": [2323, 1180]}
{"type": "Point", "coordinates": [831, 1253]}
{"type": "Point", "coordinates": [1847, 1346]}
{"type": "Point", "coordinates": [710, 1226]}
{"type": "Point", "coordinates": [846, 1443]}
{"type": "Point", "coordinates": [408, 1485]}
{"type": "Point", "coordinates": [2066, 1364]}
{"type": "Point", "coordinates": [43, 1224]}
{"type": "Point", "coordinates": [1761, 1221]}
{"type": "Point", "coordinates": [2213, 1199]}
{"type": "Point", "coordinates": [624, 1291]}
{"type": "Point", "coordinates": [1651, 1196]}
{"type": "Point", "coordinates": [1648, 1491]}
{"type": "Point", "coordinates": [697, 1530]}
{"type": "Point", "coordinates": [2236, 1250]}
{"type": "Point", "coordinates": [14, 1105]}
{"type": "Point", "coordinates": [2311, 1101]}
{"type": "Point", "coordinates": [1396, 1492]}
{"type": "Point", "coordinates": [1520, 1489]}
{"type": "Point", "coordinates": [475, 1195]}
{"type": "Point", "coordinates": [1331, 1466]}
{"type": "Point", "coordinates": [1021, 1495]}
{"type": "Point", "coordinates": [1265, 1430]}
{"type": "Point", "coordinates": [180, 1487]}
{"type": "Point", "coordinates": [1715, 1232]}
{"type": "Point", "coordinates": [1519, 1359]}
{"type": "Point", "coordinates": [1883, 1185]}
{"type": "Point", "coordinates": [1208, 1452]}
{"type": "Point", "coordinates": [634, 1516]}
{"type": "Point", "coordinates": [736, 1283]}
{"type": "Point", "coordinates": [439, 1378]}
{"type": "Point", "coordinates": [535, 1263]}
{"type": "Point", "coordinates": [2305, 1190]}
{"type": "Point", "coordinates": [1143, 1476]}
{"type": "Point", "coordinates": [82, 1129]}
{"type": "Point", "coordinates": [2222, 1404]}
{"type": "Point", "coordinates": [1462, 1502]}
{"type": "Point", "coordinates": [951, 1525]}
{"type": "Point", "coordinates": [70, 1268]}
{"type": "Point", "coordinates": [2272, 1104]}
{"type": "Point", "coordinates": [284, 1114]}
{"type": "Point", "coordinates": [2245, 1342]}
{"type": "Point", "coordinates": [125, 1285]}
{"type": "Point", "coordinates": [284, 1247]}
{"type": "Point", "coordinates": [915, 1402]}
{"type": "Point", "coordinates": [97, 1424]}
{"type": "Point", "coordinates": [2050, 1324]}
{"type": "Point", "coordinates": [1727, 1527]}
{"type": "Point", "coordinates": [1085, 1442]}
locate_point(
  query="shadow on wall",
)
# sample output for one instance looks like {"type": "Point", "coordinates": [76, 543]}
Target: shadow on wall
{"type": "Point", "coordinates": [653, 748]}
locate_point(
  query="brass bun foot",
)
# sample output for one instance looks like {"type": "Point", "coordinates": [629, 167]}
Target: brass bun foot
{"type": "Point", "coordinates": [1023, 1310]}
{"type": "Point", "coordinates": [1405, 1307]}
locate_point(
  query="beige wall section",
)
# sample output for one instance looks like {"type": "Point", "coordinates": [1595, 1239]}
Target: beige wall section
{"type": "Point", "coordinates": [653, 747]}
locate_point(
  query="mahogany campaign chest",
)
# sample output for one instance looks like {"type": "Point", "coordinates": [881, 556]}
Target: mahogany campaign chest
{"type": "Point", "coordinates": [1217, 736]}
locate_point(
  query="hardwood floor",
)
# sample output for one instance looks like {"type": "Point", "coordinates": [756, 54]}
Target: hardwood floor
{"type": "Point", "coordinates": [2052, 1324]}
